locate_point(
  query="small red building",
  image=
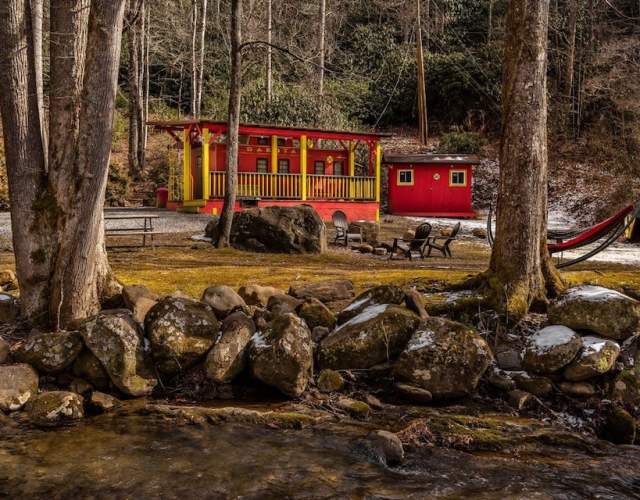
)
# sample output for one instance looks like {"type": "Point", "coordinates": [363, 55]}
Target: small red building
{"type": "Point", "coordinates": [329, 170]}
{"type": "Point", "coordinates": [436, 185]}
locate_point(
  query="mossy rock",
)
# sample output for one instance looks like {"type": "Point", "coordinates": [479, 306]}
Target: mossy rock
{"type": "Point", "coordinates": [49, 352]}
{"type": "Point", "coordinates": [330, 381]}
{"type": "Point", "coordinates": [551, 349]}
{"type": "Point", "coordinates": [315, 313]}
{"type": "Point", "coordinates": [384, 294]}
{"type": "Point", "coordinates": [598, 356]}
{"type": "Point", "coordinates": [54, 408]}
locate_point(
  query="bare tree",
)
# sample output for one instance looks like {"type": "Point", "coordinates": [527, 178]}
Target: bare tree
{"type": "Point", "coordinates": [58, 228]}
{"type": "Point", "coordinates": [137, 124]}
{"type": "Point", "coordinates": [521, 270]}
{"type": "Point", "coordinates": [572, 21]}
{"type": "Point", "coordinates": [202, 31]}
{"type": "Point", "coordinates": [233, 125]}
{"type": "Point", "coordinates": [269, 51]}
{"type": "Point", "coordinates": [423, 124]}
{"type": "Point", "coordinates": [321, 43]}
{"type": "Point", "coordinates": [194, 57]}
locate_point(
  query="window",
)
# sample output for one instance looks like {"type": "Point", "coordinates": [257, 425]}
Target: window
{"type": "Point", "coordinates": [457, 178]}
{"type": "Point", "coordinates": [262, 165]}
{"type": "Point", "coordinates": [338, 168]}
{"type": "Point", "coordinates": [281, 141]}
{"type": "Point", "coordinates": [283, 166]}
{"type": "Point", "coordinates": [318, 168]}
{"type": "Point", "coordinates": [405, 177]}
{"type": "Point", "coordinates": [263, 141]}
{"type": "Point", "coordinates": [243, 139]}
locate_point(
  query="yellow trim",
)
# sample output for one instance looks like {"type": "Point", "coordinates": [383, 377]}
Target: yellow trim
{"type": "Point", "coordinates": [378, 164]}
{"type": "Point", "coordinates": [274, 154]}
{"type": "Point", "coordinates": [194, 203]}
{"type": "Point", "coordinates": [205, 163]}
{"type": "Point", "coordinates": [303, 167]}
{"type": "Point", "coordinates": [451, 172]}
{"type": "Point", "coordinates": [400, 183]}
{"type": "Point", "coordinates": [186, 165]}
{"type": "Point", "coordinates": [352, 166]}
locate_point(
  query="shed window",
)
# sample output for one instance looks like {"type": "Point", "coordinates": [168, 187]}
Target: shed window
{"type": "Point", "coordinates": [458, 178]}
{"type": "Point", "coordinates": [338, 168]}
{"type": "Point", "coordinates": [262, 165]}
{"type": "Point", "coordinates": [283, 166]}
{"type": "Point", "coordinates": [405, 177]}
{"type": "Point", "coordinates": [318, 167]}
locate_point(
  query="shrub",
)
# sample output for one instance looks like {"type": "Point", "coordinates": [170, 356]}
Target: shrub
{"type": "Point", "coordinates": [461, 142]}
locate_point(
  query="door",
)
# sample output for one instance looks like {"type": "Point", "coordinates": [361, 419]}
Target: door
{"type": "Point", "coordinates": [196, 173]}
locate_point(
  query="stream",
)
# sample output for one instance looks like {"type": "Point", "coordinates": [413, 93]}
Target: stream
{"type": "Point", "coordinates": [139, 457]}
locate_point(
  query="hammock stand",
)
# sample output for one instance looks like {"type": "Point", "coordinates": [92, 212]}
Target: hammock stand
{"type": "Point", "coordinates": [609, 230]}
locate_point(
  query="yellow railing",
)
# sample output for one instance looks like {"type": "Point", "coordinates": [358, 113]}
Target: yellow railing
{"type": "Point", "coordinates": [340, 187]}
{"type": "Point", "coordinates": [287, 186]}
{"type": "Point", "coordinates": [258, 185]}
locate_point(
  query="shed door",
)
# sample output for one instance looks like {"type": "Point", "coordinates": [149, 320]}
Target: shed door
{"type": "Point", "coordinates": [435, 186]}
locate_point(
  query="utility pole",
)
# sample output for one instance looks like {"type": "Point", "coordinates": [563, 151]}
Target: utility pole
{"type": "Point", "coordinates": [423, 127]}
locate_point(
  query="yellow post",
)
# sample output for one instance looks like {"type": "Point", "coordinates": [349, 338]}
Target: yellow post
{"type": "Point", "coordinates": [303, 167]}
{"type": "Point", "coordinates": [186, 165]}
{"type": "Point", "coordinates": [205, 164]}
{"type": "Point", "coordinates": [274, 154]}
{"type": "Point", "coordinates": [377, 180]}
{"type": "Point", "coordinates": [352, 169]}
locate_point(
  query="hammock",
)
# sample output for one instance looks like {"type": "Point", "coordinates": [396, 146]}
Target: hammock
{"type": "Point", "coordinates": [609, 230]}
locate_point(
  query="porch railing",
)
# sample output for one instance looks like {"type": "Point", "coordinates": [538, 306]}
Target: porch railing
{"type": "Point", "coordinates": [288, 186]}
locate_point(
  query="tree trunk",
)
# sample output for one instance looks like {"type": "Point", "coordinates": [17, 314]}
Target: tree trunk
{"type": "Point", "coordinates": [269, 52]}
{"type": "Point", "coordinates": [521, 270]}
{"type": "Point", "coordinates": [572, 21]}
{"type": "Point", "coordinates": [323, 22]}
{"type": "Point", "coordinates": [194, 57]}
{"type": "Point", "coordinates": [203, 29]}
{"type": "Point", "coordinates": [233, 124]}
{"type": "Point", "coordinates": [423, 127]}
{"type": "Point", "coordinates": [135, 40]}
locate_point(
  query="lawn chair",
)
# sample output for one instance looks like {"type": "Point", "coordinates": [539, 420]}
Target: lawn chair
{"type": "Point", "coordinates": [416, 245]}
{"type": "Point", "coordinates": [444, 247]}
{"type": "Point", "coordinates": [345, 232]}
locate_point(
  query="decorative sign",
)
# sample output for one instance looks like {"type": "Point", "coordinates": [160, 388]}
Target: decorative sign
{"type": "Point", "coordinates": [436, 177]}
{"type": "Point", "coordinates": [329, 159]}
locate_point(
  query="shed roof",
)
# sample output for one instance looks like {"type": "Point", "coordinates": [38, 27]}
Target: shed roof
{"type": "Point", "coordinates": [428, 159]}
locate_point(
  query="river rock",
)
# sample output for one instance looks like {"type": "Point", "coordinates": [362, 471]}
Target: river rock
{"type": "Point", "coordinates": [228, 356]}
{"type": "Point", "coordinates": [49, 352]}
{"type": "Point", "coordinates": [598, 356]}
{"type": "Point", "coordinates": [522, 400]}
{"type": "Point", "coordinates": [330, 381]}
{"type": "Point", "coordinates": [223, 300]}
{"type": "Point", "coordinates": [577, 389]}
{"type": "Point", "coordinates": [88, 367]}
{"type": "Point", "coordinates": [99, 402]}
{"type": "Point", "coordinates": [9, 308]}
{"type": "Point", "coordinates": [139, 300]}
{"type": "Point", "coordinates": [282, 356]}
{"type": "Point", "coordinates": [324, 291]}
{"type": "Point", "coordinates": [292, 230]}
{"type": "Point", "coordinates": [283, 304]}
{"type": "Point", "coordinates": [551, 349]}
{"type": "Point", "coordinates": [315, 313]}
{"type": "Point", "coordinates": [257, 295]}
{"type": "Point", "coordinates": [388, 446]}
{"type": "Point", "coordinates": [115, 338]}
{"type": "Point", "coordinates": [384, 294]}
{"type": "Point", "coordinates": [355, 408]}
{"type": "Point", "coordinates": [18, 383]}
{"type": "Point", "coordinates": [415, 302]}
{"type": "Point", "coordinates": [603, 311]}
{"type": "Point", "coordinates": [318, 333]}
{"type": "Point", "coordinates": [537, 385]}
{"type": "Point", "coordinates": [181, 332]}
{"type": "Point", "coordinates": [413, 393]}
{"type": "Point", "coordinates": [4, 351]}
{"type": "Point", "coordinates": [54, 408]}
{"type": "Point", "coordinates": [618, 426]}
{"type": "Point", "coordinates": [378, 334]}
{"type": "Point", "coordinates": [445, 357]}
{"type": "Point", "coordinates": [501, 379]}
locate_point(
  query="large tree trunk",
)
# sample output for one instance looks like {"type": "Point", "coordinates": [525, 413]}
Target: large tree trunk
{"type": "Point", "coordinates": [233, 124]}
{"type": "Point", "coordinates": [58, 233]}
{"type": "Point", "coordinates": [521, 269]}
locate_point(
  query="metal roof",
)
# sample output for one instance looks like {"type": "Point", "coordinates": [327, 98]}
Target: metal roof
{"type": "Point", "coordinates": [429, 158]}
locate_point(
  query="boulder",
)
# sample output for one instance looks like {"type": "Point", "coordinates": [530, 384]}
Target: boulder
{"type": "Point", "coordinates": [89, 368]}
{"type": "Point", "coordinates": [324, 291]}
{"type": "Point", "coordinates": [54, 408]}
{"type": "Point", "coordinates": [99, 402]}
{"type": "Point", "coordinates": [388, 446]}
{"type": "Point", "coordinates": [618, 426]}
{"type": "Point", "coordinates": [228, 357]}
{"type": "Point", "coordinates": [626, 386]}
{"type": "Point", "coordinates": [139, 300]}
{"type": "Point", "coordinates": [282, 356]}
{"type": "Point", "coordinates": [315, 313]}
{"type": "Point", "coordinates": [49, 352]}
{"type": "Point", "coordinates": [257, 295]}
{"type": "Point", "coordinates": [384, 294]}
{"type": "Point", "coordinates": [279, 230]}
{"type": "Point", "coordinates": [370, 231]}
{"type": "Point", "coordinates": [537, 385]}
{"type": "Point", "coordinates": [18, 383]}
{"type": "Point", "coordinates": [478, 232]}
{"type": "Point", "coordinates": [522, 400]}
{"type": "Point", "coordinates": [445, 357]}
{"type": "Point", "coordinates": [9, 308]}
{"type": "Point", "coordinates": [223, 300]}
{"type": "Point", "coordinates": [330, 381]}
{"type": "Point", "coordinates": [115, 338]}
{"type": "Point", "coordinates": [600, 310]}
{"type": "Point", "coordinates": [415, 302]}
{"type": "Point", "coordinates": [355, 408]}
{"type": "Point", "coordinates": [283, 304]}
{"type": "Point", "coordinates": [413, 393]}
{"type": "Point", "coordinates": [377, 334]}
{"type": "Point", "coordinates": [4, 351]}
{"type": "Point", "coordinates": [577, 389]}
{"type": "Point", "coordinates": [318, 333]}
{"type": "Point", "coordinates": [598, 356]}
{"type": "Point", "coordinates": [80, 386]}
{"type": "Point", "coordinates": [181, 332]}
{"type": "Point", "coordinates": [501, 379]}
{"type": "Point", "coordinates": [551, 349]}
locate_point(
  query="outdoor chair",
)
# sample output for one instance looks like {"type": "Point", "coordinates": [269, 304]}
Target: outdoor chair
{"type": "Point", "coordinates": [444, 248]}
{"type": "Point", "coordinates": [416, 245]}
{"type": "Point", "coordinates": [345, 232]}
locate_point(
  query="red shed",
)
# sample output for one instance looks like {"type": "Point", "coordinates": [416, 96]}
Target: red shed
{"type": "Point", "coordinates": [438, 185]}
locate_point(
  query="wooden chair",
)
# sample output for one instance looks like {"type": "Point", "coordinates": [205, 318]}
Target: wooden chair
{"type": "Point", "coordinates": [415, 245]}
{"type": "Point", "coordinates": [343, 228]}
{"type": "Point", "coordinates": [444, 248]}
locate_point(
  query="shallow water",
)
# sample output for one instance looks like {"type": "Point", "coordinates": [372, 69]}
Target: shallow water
{"type": "Point", "coordinates": [138, 457]}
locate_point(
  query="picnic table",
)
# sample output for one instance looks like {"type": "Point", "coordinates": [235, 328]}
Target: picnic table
{"type": "Point", "coordinates": [143, 226]}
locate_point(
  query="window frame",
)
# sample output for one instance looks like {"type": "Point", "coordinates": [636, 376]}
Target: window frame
{"type": "Point", "coordinates": [404, 171]}
{"type": "Point", "coordinates": [315, 167]}
{"type": "Point", "coordinates": [336, 164]}
{"type": "Point", "coordinates": [263, 140]}
{"type": "Point", "coordinates": [266, 165]}
{"type": "Point", "coordinates": [283, 161]}
{"type": "Point", "coordinates": [458, 184]}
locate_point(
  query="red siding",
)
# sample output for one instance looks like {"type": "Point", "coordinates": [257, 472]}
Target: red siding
{"type": "Point", "coordinates": [430, 193]}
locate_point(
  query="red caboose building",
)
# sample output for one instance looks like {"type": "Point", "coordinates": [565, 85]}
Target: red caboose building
{"type": "Point", "coordinates": [435, 185]}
